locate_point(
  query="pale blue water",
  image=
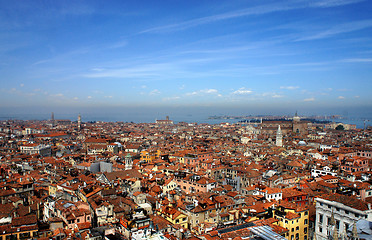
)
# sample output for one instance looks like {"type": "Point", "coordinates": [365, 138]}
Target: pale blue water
{"type": "Point", "coordinates": [145, 118]}
{"type": "Point", "coordinates": [149, 115]}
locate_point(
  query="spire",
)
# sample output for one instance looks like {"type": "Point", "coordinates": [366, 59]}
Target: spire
{"type": "Point", "coordinates": [354, 235]}
{"type": "Point", "coordinates": [279, 137]}
{"type": "Point", "coordinates": [335, 234]}
{"type": "Point", "coordinates": [333, 221]}
{"type": "Point", "coordinates": [79, 122]}
{"type": "Point", "coordinates": [296, 118]}
{"type": "Point", "coordinates": [344, 234]}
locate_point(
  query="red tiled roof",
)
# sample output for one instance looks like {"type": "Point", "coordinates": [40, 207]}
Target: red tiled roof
{"type": "Point", "coordinates": [349, 201]}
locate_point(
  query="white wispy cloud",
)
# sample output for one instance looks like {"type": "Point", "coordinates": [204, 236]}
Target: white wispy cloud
{"type": "Point", "coordinates": [151, 70]}
{"type": "Point", "coordinates": [333, 3]}
{"type": "Point", "coordinates": [154, 92]}
{"type": "Point", "coordinates": [218, 17]}
{"type": "Point", "coordinates": [203, 92]}
{"type": "Point", "coordinates": [338, 29]}
{"type": "Point", "coordinates": [171, 98]}
{"type": "Point", "coordinates": [358, 60]}
{"type": "Point", "coordinates": [251, 11]}
{"type": "Point", "coordinates": [277, 96]}
{"type": "Point", "coordinates": [289, 87]}
{"type": "Point", "coordinates": [309, 99]}
{"type": "Point", "coordinates": [57, 95]}
{"type": "Point", "coordinates": [242, 91]}
{"type": "Point", "coordinates": [341, 97]}
{"type": "Point", "coordinates": [17, 92]}
{"type": "Point", "coordinates": [209, 91]}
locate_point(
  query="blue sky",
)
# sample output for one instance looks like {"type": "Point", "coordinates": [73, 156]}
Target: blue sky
{"type": "Point", "coordinates": [250, 54]}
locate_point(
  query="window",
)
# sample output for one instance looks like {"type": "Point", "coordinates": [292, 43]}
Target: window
{"type": "Point", "coordinates": [305, 221]}
{"type": "Point", "coordinates": [305, 230]}
{"type": "Point", "coordinates": [320, 229]}
{"type": "Point", "coordinates": [292, 229]}
{"type": "Point", "coordinates": [306, 213]}
{"type": "Point", "coordinates": [297, 228]}
{"type": "Point", "coordinates": [320, 218]}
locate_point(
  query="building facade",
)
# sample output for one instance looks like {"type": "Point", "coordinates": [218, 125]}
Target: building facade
{"type": "Point", "coordinates": [339, 212]}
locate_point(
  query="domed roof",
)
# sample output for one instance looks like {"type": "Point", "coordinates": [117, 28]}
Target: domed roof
{"type": "Point", "coordinates": [301, 143]}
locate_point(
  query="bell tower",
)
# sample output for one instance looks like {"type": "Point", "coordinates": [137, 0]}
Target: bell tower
{"type": "Point", "coordinates": [279, 137]}
{"type": "Point", "coordinates": [79, 122]}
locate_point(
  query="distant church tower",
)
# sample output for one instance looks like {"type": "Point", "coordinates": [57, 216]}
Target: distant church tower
{"type": "Point", "coordinates": [52, 119]}
{"type": "Point", "coordinates": [296, 118]}
{"type": "Point", "coordinates": [279, 137]}
{"type": "Point", "coordinates": [79, 122]}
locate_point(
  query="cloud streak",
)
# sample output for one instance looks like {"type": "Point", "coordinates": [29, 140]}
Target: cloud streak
{"type": "Point", "coordinates": [256, 10]}
{"type": "Point", "coordinates": [242, 91]}
{"type": "Point", "coordinates": [339, 29]}
{"type": "Point", "coordinates": [289, 87]}
{"type": "Point", "coordinates": [203, 92]}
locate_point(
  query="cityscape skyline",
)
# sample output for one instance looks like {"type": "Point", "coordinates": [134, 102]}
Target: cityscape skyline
{"type": "Point", "coordinates": [263, 56]}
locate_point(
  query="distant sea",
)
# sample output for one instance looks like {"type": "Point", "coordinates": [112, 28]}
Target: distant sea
{"type": "Point", "coordinates": [151, 117]}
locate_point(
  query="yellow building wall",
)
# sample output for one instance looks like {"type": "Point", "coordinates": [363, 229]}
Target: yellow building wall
{"type": "Point", "coordinates": [295, 226]}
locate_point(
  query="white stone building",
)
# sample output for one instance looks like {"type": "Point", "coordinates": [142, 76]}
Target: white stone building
{"type": "Point", "coordinates": [345, 210]}
{"type": "Point", "coordinates": [33, 148]}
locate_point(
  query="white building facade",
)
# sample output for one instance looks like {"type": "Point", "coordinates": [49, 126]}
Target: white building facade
{"type": "Point", "coordinates": [344, 210]}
